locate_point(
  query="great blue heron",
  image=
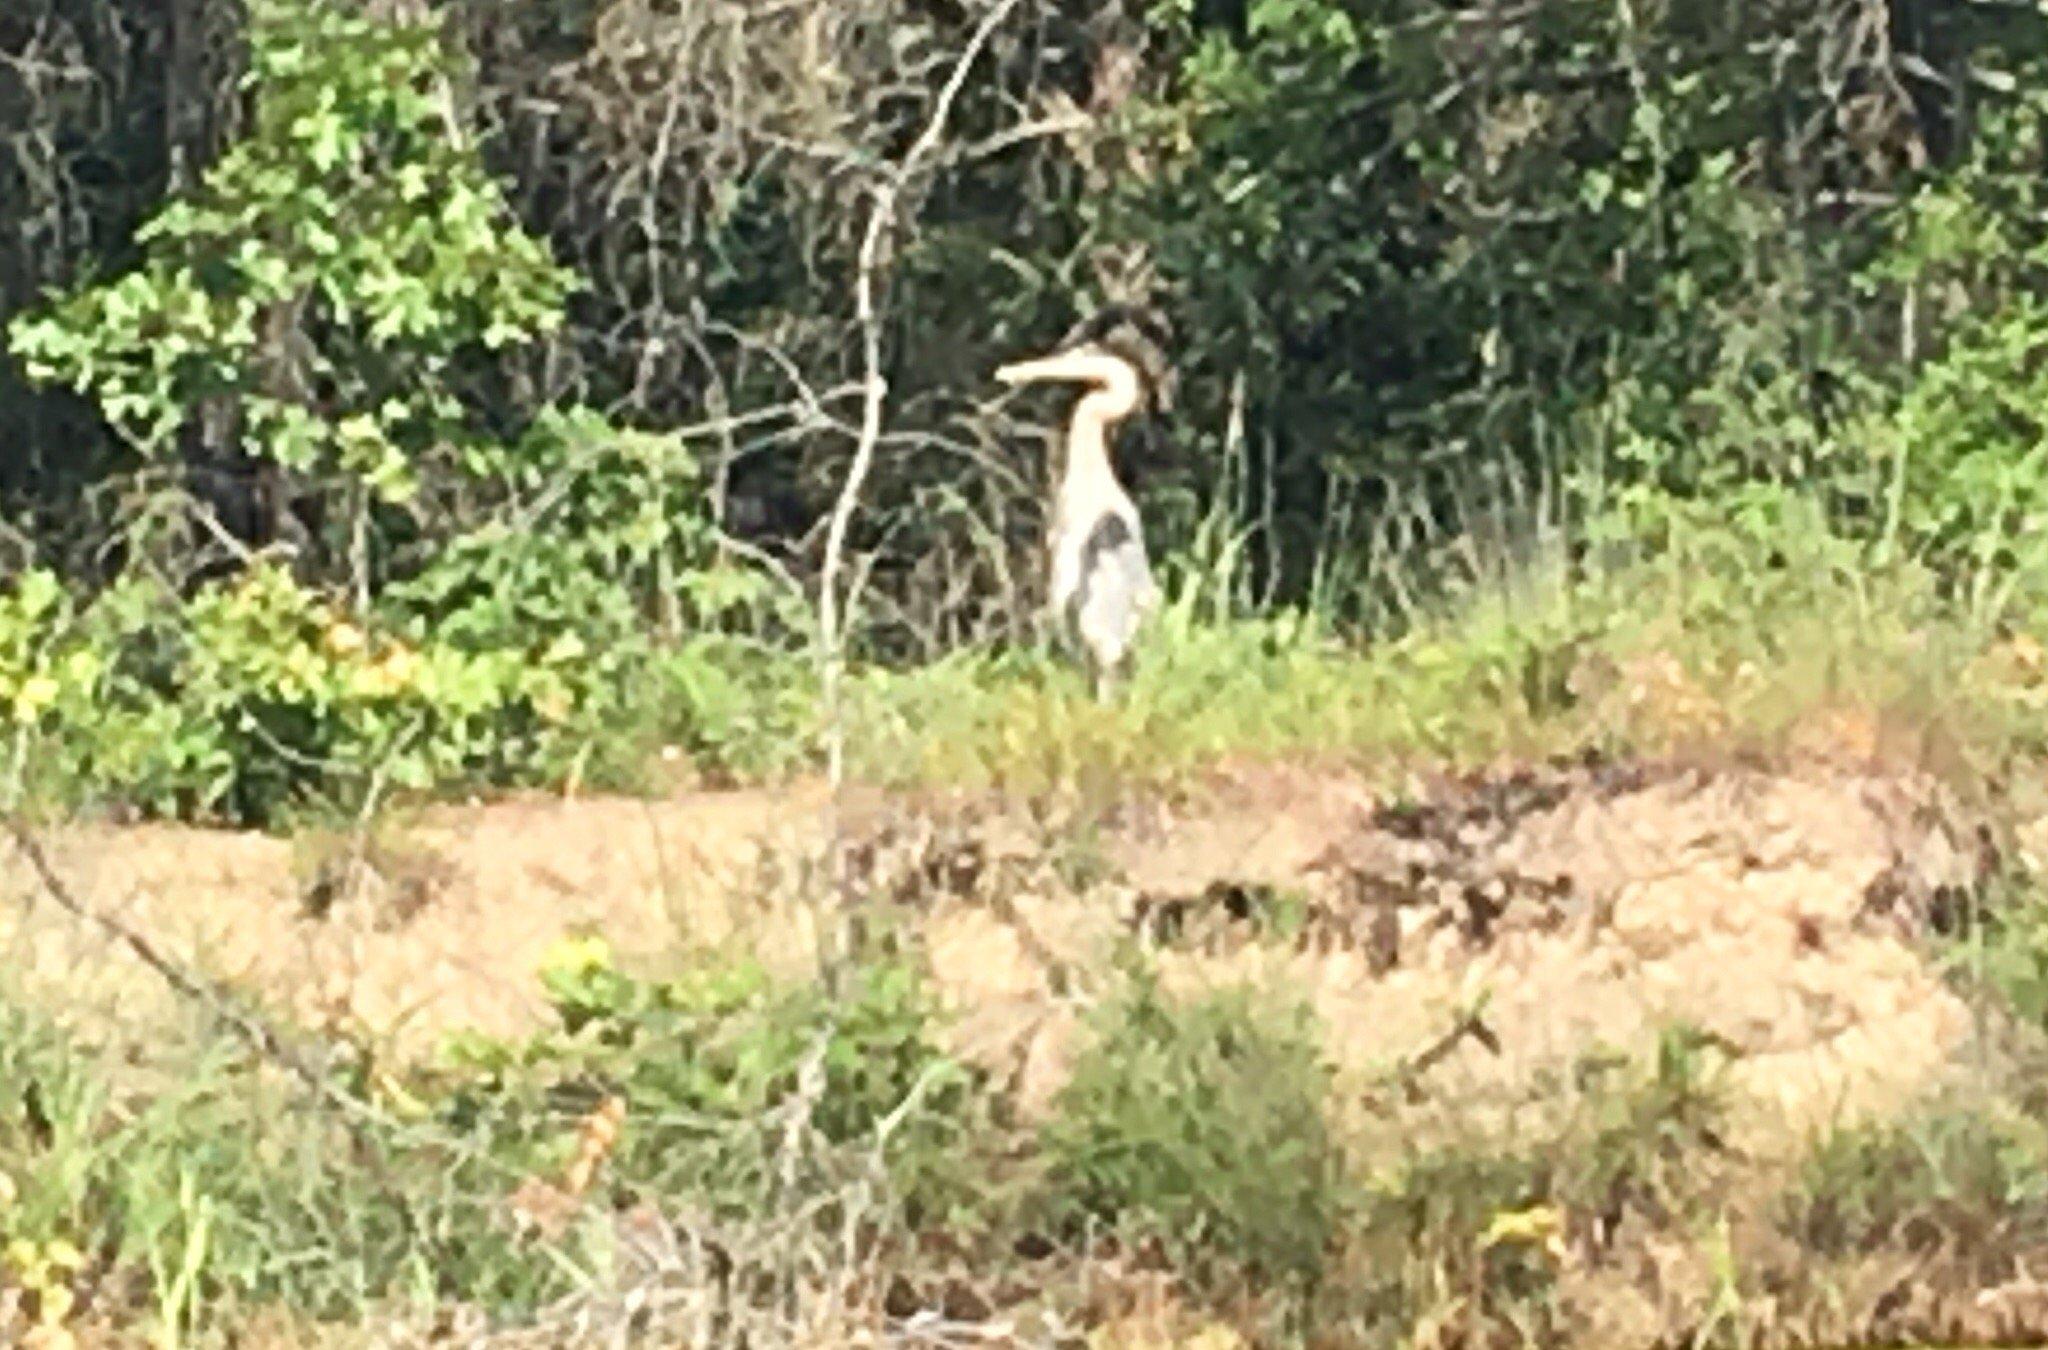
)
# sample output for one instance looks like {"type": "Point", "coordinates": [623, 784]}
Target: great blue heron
{"type": "Point", "coordinates": [1102, 587]}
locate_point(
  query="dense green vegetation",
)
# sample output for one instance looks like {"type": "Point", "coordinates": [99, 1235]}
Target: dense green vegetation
{"type": "Point", "coordinates": [413, 399]}
{"type": "Point", "coordinates": [357, 450]}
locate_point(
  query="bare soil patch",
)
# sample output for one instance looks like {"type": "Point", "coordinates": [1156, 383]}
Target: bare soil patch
{"type": "Point", "coordinates": [436, 922]}
{"type": "Point", "coordinates": [1779, 909]}
{"type": "Point", "coordinates": [1574, 908]}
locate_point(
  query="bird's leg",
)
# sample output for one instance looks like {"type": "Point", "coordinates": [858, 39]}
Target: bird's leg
{"type": "Point", "coordinates": [1107, 676]}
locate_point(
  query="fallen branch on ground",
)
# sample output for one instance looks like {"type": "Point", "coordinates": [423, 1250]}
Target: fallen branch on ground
{"type": "Point", "coordinates": [1406, 1076]}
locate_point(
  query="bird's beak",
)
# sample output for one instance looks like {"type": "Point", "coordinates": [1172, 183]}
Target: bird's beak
{"type": "Point", "coordinates": [1059, 366]}
{"type": "Point", "coordinates": [1023, 372]}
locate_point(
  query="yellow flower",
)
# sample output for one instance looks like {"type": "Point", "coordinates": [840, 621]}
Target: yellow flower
{"type": "Point", "coordinates": [1540, 1225]}
{"type": "Point", "coordinates": [37, 692]}
{"type": "Point", "coordinates": [576, 955]}
{"type": "Point", "coordinates": [399, 668]}
{"type": "Point", "coordinates": [344, 638]}
{"type": "Point", "coordinates": [370, 682]}
{"type": "Point", "coordinates": [62, 1255]}
{"type": "Point", "coordinates": [402, 665]}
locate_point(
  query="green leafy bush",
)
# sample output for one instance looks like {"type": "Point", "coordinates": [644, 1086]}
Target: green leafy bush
{"type": "Point", "coordinates": [526, 606]}
{"type": "Point", "coordinates": [208, 1189]}
{"type": "Point", "coordinates": [256, 697]}
{"type": "Point", "coordinates": [253, 698]}
{"type": "Point", "coordinates": [731, 1077]}
{"type": "Point", "coordinates": [1971, 456]}
{"type": "Point", "coordinates": [600, 561]}
{"type": "Point", "coordinates": [1201, 1123]}
{"type": "Point", "coordinates": [1962, 1171]}
{"type": "Point", "coordinates": [325, 274]}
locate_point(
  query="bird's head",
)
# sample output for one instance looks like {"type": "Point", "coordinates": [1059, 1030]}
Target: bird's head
{"type": "Point", "coordinates": [1112, 381]}
{"type": "Point", "coordinates": [1117, 353]}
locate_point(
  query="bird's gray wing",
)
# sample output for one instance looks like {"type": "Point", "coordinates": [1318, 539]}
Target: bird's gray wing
{"type": "Point", "coordinates": [1116, 581]}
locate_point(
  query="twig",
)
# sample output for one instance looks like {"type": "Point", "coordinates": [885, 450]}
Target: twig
{"type": "Point", "coordinates": [370, 1128]}
{"type": "Point", "coordinates": [799, 1109]}
{"type": "Point", "coordinates": [259, 1034]}
{"type": "Point", "coordinates": [1470, 1024]}
{"type": "Point", "coordinates": [1041, 129]}
{"type": "Point", "coordinates": [880, 217]}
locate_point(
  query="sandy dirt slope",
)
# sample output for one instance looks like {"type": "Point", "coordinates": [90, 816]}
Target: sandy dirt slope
{"type": "Point", "coordinates": [1783, 913]}
{"type": "Point", "coordinates": [441, 925]}
{"type": "Point", "coordinates": [1780, 911]}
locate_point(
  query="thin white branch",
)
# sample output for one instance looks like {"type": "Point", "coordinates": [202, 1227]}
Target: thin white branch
{"type": "Point", "coordinates": [881, 217]}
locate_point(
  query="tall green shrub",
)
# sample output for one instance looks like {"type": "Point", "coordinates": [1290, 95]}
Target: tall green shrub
{"type": "Point", "coordinates": [317, 288]}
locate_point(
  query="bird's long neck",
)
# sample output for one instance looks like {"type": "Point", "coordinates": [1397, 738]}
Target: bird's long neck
{"type": "Point", "coordinates": [1088, 471]}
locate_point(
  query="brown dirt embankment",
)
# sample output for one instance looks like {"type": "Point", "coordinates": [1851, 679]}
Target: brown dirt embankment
{"type": "Point", "coordinates": [1579, 906]}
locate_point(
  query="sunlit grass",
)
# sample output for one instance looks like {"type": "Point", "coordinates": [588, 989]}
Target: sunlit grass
{"type": "Point", "coordinates": [1658, 661]}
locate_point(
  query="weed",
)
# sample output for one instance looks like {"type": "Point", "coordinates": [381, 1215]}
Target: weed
{"type": "Point", "coordinates": [1426, 1237]}
{"type": "Point", "coordinates": [217, 1191]}
{"type": "Point", "coordinates": [730, 1077]}
{"type": "Point", "coordinates": [722, 1090]}
{"type": "Point", "coordinates": [1200, 1123]}
{"type": "Point", "coordinates": [1645, 1140]}
{"type": "Point", "coordinates": [1470, 1235]}
{"type": "Point", "coordinates": [1971, 1173]}
{"type": "Point", "coordinates": [1997, 943]}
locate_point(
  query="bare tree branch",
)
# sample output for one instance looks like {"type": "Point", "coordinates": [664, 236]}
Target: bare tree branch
{"type": "Point", "coordinates": [881, 217]}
